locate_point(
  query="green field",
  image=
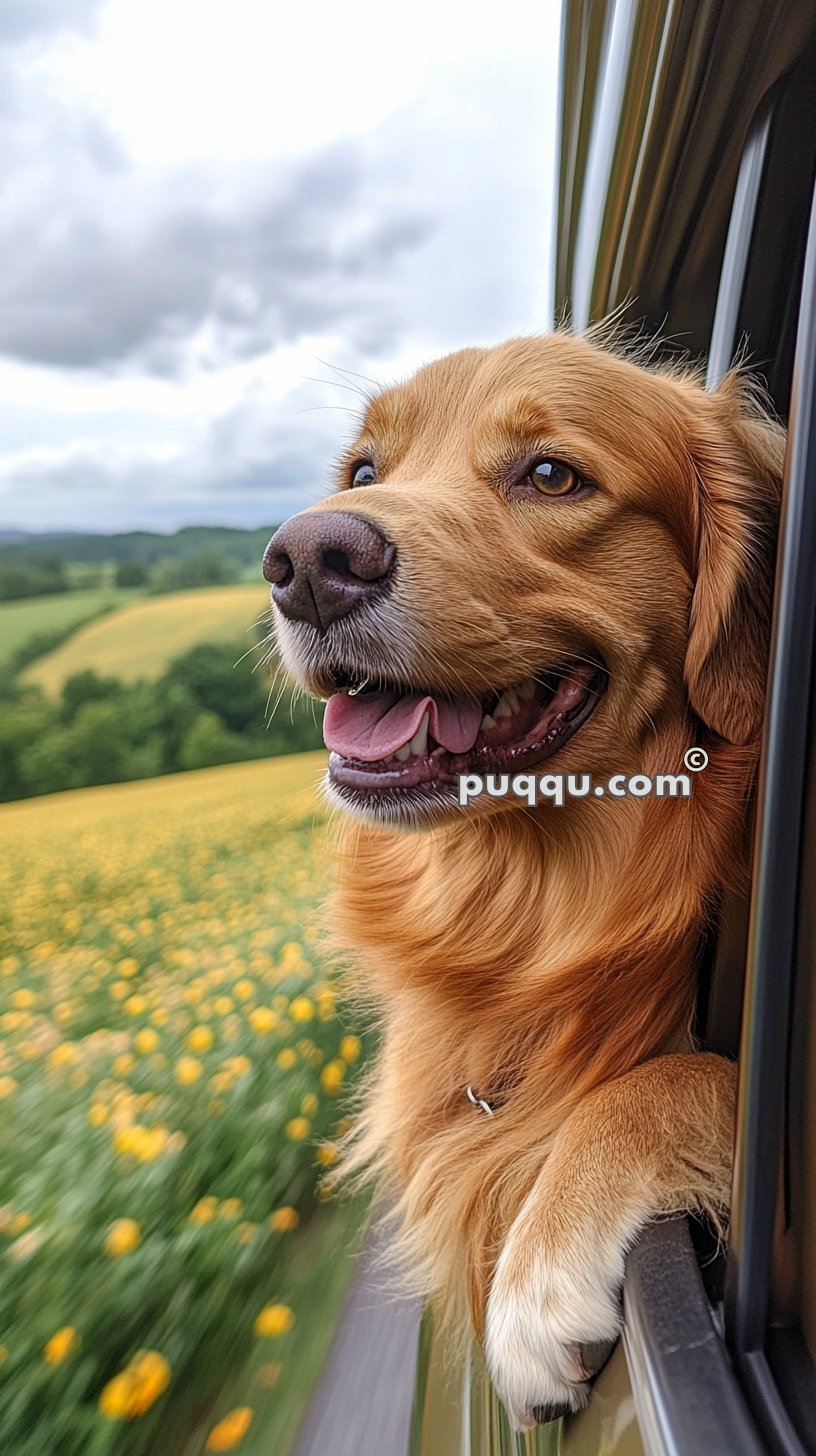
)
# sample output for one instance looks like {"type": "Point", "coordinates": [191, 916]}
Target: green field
{"type": "Point", "coordinates": [173, 1074]}
{"type": "Point", "coordinates": [140, 640]}
{"type": "Point", "coordinates": [21, 620]}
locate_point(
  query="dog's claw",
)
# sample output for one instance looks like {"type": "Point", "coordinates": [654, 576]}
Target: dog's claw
{"type": "Point", "coordinates": [594, 1356]}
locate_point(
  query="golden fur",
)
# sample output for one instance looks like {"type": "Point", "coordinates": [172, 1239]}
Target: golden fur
{"type": "Point", "coordinates": [547, 956]}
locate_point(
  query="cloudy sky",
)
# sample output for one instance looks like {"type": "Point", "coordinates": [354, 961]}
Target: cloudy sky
{"type": "Point", "coordinates": [210, 207]}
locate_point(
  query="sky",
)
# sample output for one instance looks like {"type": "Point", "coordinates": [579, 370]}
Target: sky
{"type": "Point", "coordinates": [215, 215]}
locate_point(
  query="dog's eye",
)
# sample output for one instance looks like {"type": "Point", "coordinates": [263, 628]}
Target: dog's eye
{"type": "Point", "coordinates": [553, 477]}
{"type": "Point", "coordinates": [363, 474]}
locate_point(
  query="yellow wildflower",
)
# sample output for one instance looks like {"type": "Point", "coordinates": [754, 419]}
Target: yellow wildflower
{"type": "Point", "coordinates": [205, 1210]}
{"type": "Point", "coordinates": [327, 1155]}
{"type": "Point", "coordinates": [309, 1105]}
{"type": "Point", "coordinates": [136, 1388]}
{"type": "Point", "coordinates": [226, 1435]}
{"type": "Point", "coordinates": [61, 1345]}
{"type": "Point", "coordinates": [123, 1235]}
{"type": "Point", "coordinates": [188, 1070]}
{"type": "Point", "coordinates": [7, 1086]}
{"type": "Point", "coordinates": [263, 1019]}
{"type": "Point", "coordinates": [244, 989]}
{"type": "Point", "coordinates": [146, 1040]}
{"type": "Point", "coordinates": [297, 1129]}
{"type": "Point", "coordinates": [274, 1320]}
{"type": "Point", "coordinates": [332, 1075]}
{"type": "Point", "coordinates": [283, 1220]}
{"type": "Point", "coordinates": [231, 1207]}
{"type": "Point", "coordinates": [350, 1048]}
{"type": "Point", "coordinates": [200, 1039]}
{"type": "Point", "coordinates": [128, 967]}
{"type": "Point", "coordinates": [286, 1059]}
{"type": "Point", "coordinates": [302, 1009]}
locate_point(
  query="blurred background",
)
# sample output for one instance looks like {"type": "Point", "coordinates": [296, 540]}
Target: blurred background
{"type": "Point", "coordinates": [220, 227]}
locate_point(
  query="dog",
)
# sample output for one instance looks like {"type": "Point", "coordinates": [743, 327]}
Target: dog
{"type": "Point", "coordinates": [550, 552]}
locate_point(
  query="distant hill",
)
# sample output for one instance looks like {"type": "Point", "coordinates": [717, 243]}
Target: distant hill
{"type": "Point", "coordinates": [141, 638]}
{"type": "Point", "coordinates": [146, 547]}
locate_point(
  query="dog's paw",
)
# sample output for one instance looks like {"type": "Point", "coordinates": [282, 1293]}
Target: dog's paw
{"type": "Point", "coordinates": [551, 1323]}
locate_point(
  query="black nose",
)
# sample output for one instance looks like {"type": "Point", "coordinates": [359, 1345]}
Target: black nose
{"type": "Point", "coordinates": [322, 564]}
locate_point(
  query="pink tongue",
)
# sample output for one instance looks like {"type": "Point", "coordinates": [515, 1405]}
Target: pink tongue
{"type": "Point", "coordinates": [370, 728]}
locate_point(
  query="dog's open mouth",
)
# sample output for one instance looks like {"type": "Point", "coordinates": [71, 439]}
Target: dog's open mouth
{"type": "Point", "coordinates": [384, 738]}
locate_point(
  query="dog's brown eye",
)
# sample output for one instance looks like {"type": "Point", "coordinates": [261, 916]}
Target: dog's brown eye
{"type": "Point", "coordinates": [363, 474]}
{"type": "Point", "coordinates": [553, 477]}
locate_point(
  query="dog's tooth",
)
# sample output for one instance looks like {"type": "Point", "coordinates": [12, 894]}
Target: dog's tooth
{"type": "Point", "coordinates": [487, 722]}
{"type": "Point", "coordinates": [419, 742]}
{"type": "Point", "coordinates": [403, 753]}
{"type": "Point", "coordinates": [526, 689]}
{"type": "Point", "coordinates": [511, 698]}
{"type": "Point", "coordinates": [502, 708]}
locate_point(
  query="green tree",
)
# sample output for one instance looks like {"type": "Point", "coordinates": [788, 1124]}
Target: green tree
{"type": "Point", "coordinates": [87, 687]}
{"type": "Point", "coordinates": [130, 573]}
{"type": "Point", "coordinates": [208, 742]}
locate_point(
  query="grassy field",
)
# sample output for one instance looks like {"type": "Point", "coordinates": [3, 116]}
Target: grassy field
{"type": "Point", "coordinates": [20, 620]}
{"type": "Point", "coordinates": [144, 636]}
{"type": "Point", "coordinates": [172, 1071]}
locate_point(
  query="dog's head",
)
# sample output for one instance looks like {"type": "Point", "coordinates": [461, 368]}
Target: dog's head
{"type": "Point", "coordinates": [536, 552]}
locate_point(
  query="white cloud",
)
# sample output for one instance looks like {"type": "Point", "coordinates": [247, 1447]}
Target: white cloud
{"type": "Point", "coordinates": [201, 201]}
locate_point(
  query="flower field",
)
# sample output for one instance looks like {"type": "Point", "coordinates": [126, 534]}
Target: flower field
{"type": "Point", "coordinates": [172, 1070]}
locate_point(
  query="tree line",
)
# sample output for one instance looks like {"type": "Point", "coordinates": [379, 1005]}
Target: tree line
{"type": "Point", "coordinates": [206, 708]}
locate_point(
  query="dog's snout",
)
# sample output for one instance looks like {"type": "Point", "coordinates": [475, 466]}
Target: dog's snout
{"type": "Point", "coordinates": [322, 565]}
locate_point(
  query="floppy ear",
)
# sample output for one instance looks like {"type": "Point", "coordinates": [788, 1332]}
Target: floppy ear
{"type": "Point", "coordinates": [738, 456]}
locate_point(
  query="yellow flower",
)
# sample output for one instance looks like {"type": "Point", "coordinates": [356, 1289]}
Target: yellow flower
{"type": "Point", "coordinates": [135, 1005]}
{"type": "Point", "coordinates": [200, 1039]}
{"type": "Point", "coordinates": [223, 1005]}
{"type": "Point", "coordinates": [146, 1040]}
{"type": "Point", "coordinates": [274, 1320]}
{"type": "Point", "coordinates": [128, 967]}
{"type": "Point", "coordinates": [188, 1070]}
{"type": "Point", "coordinates": [244, 989]}
{"type": "Point", "coordinates": [136, 1388]}
{"type": "Point", "coordinates": [7, 1086]}
{"type": "Point", "coordinates": [205, 1210]}
{"type": "Point", "coordinates": [286, 1059]}
{"type": "Point", "coordinates": [97, 1114]}
{"type": "Point", "coordinates": [350, 1048]}
{"type": "Point", "coordinates": [123, 1235]}
{"type": "Point", "coordinates": [124, 1064]}
{"type": "Point", "coordinates": [262, 1020]}
{"type": "Point", "coordinates": [327, 1155]}
{"type": "Point", "coordinates": [270, 1373]}
{"type": "Point", "coordinates": [61, 1345]}
{"type": "Point", "coordinates": [283, 1220]}
{"type": "Point", "coordinates": [226, 1435]}
{"type": "Point", "coordinates": [231, 1207]}
{"type": "Point", "coordinates": [301, 1009]}
{"type": "Point", "coordinates": [159, 1016]}
{"type": "Point", "coordinates": [23, 999]}
{"type": "Point", "coordinates": [297, 1129]}
{"type": "Point", "coordinates": [332, 1075]}
{"type": "Point", "coordinates": [309, 1105]}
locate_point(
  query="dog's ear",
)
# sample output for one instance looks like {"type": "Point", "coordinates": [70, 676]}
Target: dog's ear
{"type": "Point", "coordinates": [738, 456]}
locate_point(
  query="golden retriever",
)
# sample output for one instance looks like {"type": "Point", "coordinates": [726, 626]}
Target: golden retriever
{"type": "Point", "coordinates": [546, 551]}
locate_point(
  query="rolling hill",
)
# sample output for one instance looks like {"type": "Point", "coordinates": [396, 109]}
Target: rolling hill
{"type": "Point", "coordinates": [140, 639]}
